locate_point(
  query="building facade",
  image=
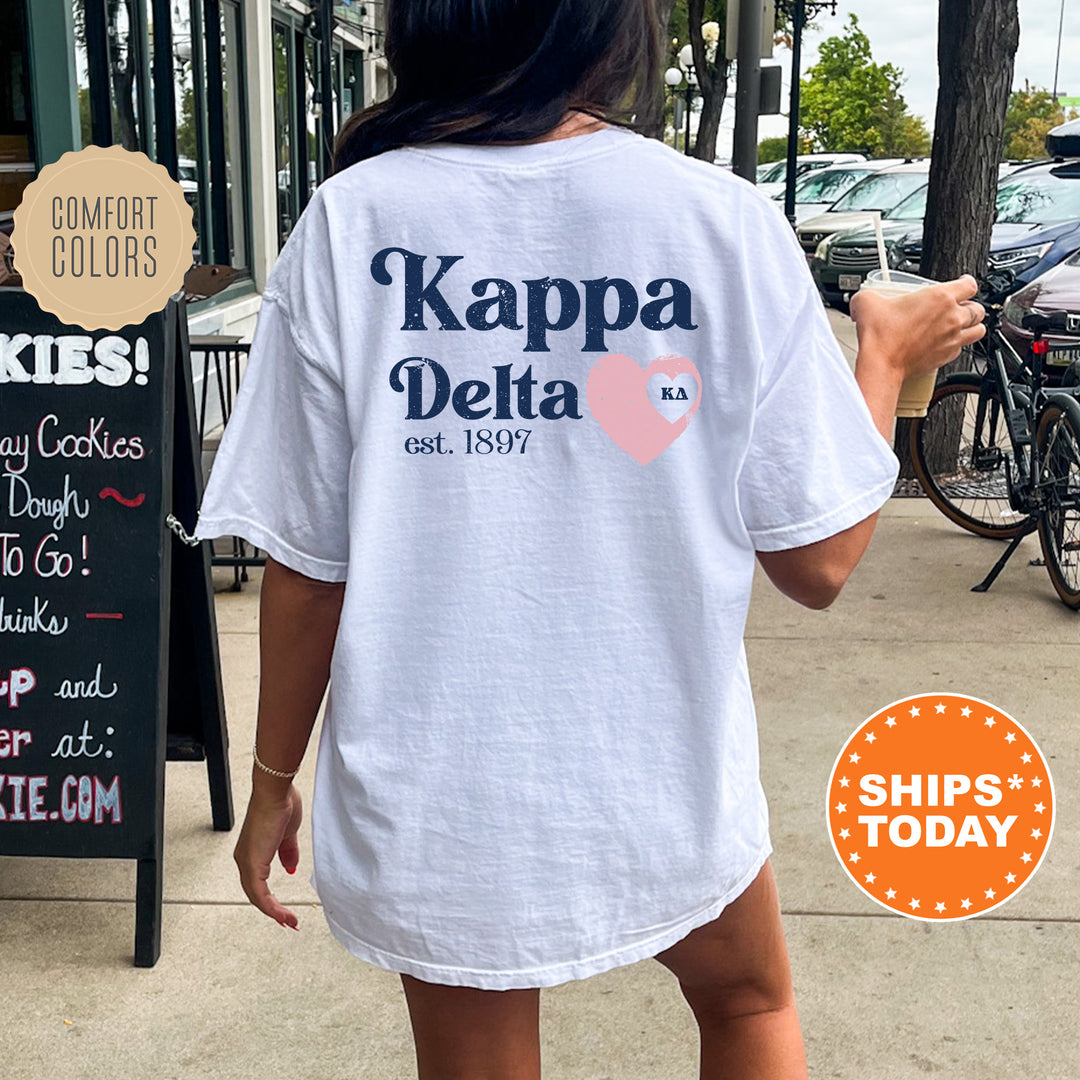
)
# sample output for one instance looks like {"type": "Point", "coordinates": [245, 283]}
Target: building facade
{"type": "Point", "coordinates": [239, 99]}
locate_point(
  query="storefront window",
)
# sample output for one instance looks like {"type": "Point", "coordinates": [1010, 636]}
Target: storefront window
{"type": "Point", "coordinates": [112, 41]}
{"type": "Point", "coordinates": [232, 86]}
{"type": "Point", "coordinates": [312, 112]}
{"type": "Point", "coordinates": [187, 142]}
{"type": "Point", "coordinates": [16, 159]}
{"type": "Point", "coordinates": [123, 49]}
{"type": "Point", "coordinates": [283, 129]}
{"type": "Point", "coordinates": [82, 74]}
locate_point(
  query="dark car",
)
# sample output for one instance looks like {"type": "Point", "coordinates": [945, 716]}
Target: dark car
{"type": "Point", "coordinates": [881, 191]}
{"type": "Point", "coordinates": [1038, 225]}
{"type": "Point", "coordinates": [1056, 290]}
{"type": "Point", "coordinates": [1064, 140]}
{"type": "Point", "coordinates": [1038, 221]}
{"type": "Point", "coordinates": [844, 258]}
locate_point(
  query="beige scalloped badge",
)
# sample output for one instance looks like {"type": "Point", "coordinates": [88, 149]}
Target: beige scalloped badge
{"type": "Point", "coordinates": [103, 237]}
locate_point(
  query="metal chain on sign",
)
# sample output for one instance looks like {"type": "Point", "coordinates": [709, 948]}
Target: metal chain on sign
{"type": "Point", "coordinates": [182, 534]}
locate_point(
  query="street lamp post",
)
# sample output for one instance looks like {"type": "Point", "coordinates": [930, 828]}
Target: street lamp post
{"type": "Point", "coordinates": [1057, 63]}
{"type": "Point", "coordinates": [798, 11]}
{"type": "Point", "coordinates": [673, 76]}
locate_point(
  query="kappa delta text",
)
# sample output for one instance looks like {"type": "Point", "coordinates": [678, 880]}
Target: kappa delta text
{"type": "Point", "coordinates": [429, 387]}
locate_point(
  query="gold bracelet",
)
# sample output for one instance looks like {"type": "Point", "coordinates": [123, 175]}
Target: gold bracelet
{"type": "Point", "coordinates": [272, 772]}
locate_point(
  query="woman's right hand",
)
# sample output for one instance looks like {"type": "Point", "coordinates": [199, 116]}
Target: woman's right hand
{"type": "Point", "coordinates": [270, 829]}
{"type": "Point", "coordinates": [919, 332]}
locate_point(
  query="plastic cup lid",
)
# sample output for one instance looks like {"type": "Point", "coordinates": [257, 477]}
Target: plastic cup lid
{"type": "Point", "coordinates": [898, 279]}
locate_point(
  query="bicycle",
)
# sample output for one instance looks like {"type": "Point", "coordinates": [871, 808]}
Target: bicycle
{"type": "Point", "coordinates": [998, 452]}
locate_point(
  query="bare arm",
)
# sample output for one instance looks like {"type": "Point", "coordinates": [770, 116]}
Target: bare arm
{"type": "Point", "coordinates": [897, 338]}
{"type": "Point", "coordinates": [298, 620]}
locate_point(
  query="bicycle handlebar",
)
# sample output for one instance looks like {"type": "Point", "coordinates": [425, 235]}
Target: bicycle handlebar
{"type": "Point", "coordinates": [995, 287]}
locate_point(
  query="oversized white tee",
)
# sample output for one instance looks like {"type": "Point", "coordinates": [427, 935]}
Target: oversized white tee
{"type": "Point", "coordinates": [537, 406]}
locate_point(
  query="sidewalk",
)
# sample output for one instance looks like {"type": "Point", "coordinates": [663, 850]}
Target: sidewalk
{"type": "Point", "coordinates": [881, 997]}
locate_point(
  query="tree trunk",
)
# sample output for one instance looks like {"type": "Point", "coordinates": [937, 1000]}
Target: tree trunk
{"type": "Point", "coordinates": [651, 100]}
{"type": "Point", "coordinates": [977, 42]}
{"type": "Point", "coordinates": [712, 80]}
{"type": "Point", "coordinates": [712, 105]}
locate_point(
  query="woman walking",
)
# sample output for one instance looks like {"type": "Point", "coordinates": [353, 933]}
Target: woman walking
{"type": "Point", "coordinates": [528, 394]}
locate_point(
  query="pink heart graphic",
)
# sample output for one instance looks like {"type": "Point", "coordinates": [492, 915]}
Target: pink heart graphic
{"type": "Point", "coordinates": [617, 392]}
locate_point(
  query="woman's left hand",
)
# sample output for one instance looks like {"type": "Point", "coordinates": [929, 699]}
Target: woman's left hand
{"type": "Point", "coordinates": [270, 828]}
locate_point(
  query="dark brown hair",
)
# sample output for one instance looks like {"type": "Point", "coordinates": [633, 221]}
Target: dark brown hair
{"type": "Point", "coordinates": [482, 71]}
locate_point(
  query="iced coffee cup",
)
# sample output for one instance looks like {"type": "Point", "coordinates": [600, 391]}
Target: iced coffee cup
{"type": "Point", "coordinates": [915, 393]}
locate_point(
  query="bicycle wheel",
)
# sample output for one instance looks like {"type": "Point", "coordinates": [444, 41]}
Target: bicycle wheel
{"type": "Point", "coordinates": [1058, 441]}
{"type": "Point", "coordinates": [960, 451]}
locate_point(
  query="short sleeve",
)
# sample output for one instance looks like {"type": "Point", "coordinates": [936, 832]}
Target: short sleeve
{"type": "Point", "coordinates": [816, 463]}
{"type": "Point", "coordinates": [280, 477]}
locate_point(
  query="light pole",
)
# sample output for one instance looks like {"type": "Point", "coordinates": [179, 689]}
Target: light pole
{"type": "Point", "coordinates": [1057, 63]}
{"type": "Point", "coordinates": [672, 77]}
{"type": "Point", "coordinates": [798, 11]}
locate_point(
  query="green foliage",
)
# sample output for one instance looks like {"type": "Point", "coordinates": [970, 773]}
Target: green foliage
{"type": "Point", "coordinates": [678, 35]}
{"type": "Point", "coordinates": [852, 105]}
{"type": "Point", "coordinates": [185, 129]}
{"type": "Point", "coordinates": [773, 149]}
{"type": "Point", "coordinates": [1032, 112]}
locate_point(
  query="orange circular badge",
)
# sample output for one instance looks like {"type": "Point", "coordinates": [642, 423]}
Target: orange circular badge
{"type": "Point", "coordinates": [940, 807]}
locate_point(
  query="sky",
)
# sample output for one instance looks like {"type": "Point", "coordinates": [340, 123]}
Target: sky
{"type": "Point", "coordinates": [904, 33]}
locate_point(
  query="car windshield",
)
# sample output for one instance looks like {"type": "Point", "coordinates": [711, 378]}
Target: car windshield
{"type": "Point", "coordinates": [774, 175]}
{"type": "Point", "coordinates": [828, 185]}
{"type": "Point", "coordinates": [1038, 199]}
{"type": "Point", "coordinates": [882, 191]}
{"type": "Point", "coordinates": [913, 208]}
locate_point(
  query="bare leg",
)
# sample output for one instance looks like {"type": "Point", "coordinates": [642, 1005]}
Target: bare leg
{"type": "Point", "coordinates": [462, 1033]}
{"type": "Point", "coordinates": [735, 976]}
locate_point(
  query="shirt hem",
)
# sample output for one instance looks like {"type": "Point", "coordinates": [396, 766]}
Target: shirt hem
{"type": "Point", "coordinates": [835, 521]}
{"type": "Point", "coordinates": [551, 974]}
{"type": "Point", "coordinates": [278, 549]}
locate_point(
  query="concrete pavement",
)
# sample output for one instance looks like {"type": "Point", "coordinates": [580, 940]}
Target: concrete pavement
{"type": "Point", "coordinates": [881, 997]}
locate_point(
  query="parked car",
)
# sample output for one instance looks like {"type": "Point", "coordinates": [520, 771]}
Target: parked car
{"type": "Point", "coordinates": [1038, 225]}
{"type": "Point", "coordinates": [816, 191]}
{"type": "Point", "coordinates": [880, 191]}
{"type": "Point", "coordinates": [843, 259]}
{"type": "Point", "coordinates": [774, 179]}
{"type": "Point", "coordinates": [1064, 140]}
{"type": "Point", "coordinates": [1056, 290]}
{"type": "Point", "coordinates": [1038, 221]}
{"type": "Point", "coordinates": [1007, 168]}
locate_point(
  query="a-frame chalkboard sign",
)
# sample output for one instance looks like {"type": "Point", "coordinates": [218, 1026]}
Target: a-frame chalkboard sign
{"type": "Point", "coordinates": [108, 641]}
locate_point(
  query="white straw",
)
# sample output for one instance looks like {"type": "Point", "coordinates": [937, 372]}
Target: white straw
{"type": "Point", "coordinates": [883, 256]}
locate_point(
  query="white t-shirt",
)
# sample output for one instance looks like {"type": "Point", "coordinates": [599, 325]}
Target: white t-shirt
{"type": "Point", "coordinates": [537, 405]}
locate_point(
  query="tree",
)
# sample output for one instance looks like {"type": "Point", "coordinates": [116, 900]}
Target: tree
{"type": "Point", "coordinates": [902, 133]}
{"type": "Point", "coordinates": [772, 149]}
{"type": "Point", "coordinates": [650, 106]}
{"type": "Point", "coordinates": [1031, 113]}
{"type": "Point", "coordinates": [852, 105]}
{"type": "Point", "coordinates": [120, 24]}
{"type": "Point", "coordinates": [977, 42]}
{"type": "Point", "coordinates": [711, 67]}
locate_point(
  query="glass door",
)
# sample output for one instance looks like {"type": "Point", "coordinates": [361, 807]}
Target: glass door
{"type": "Point", "coordinates": [16, 153]}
